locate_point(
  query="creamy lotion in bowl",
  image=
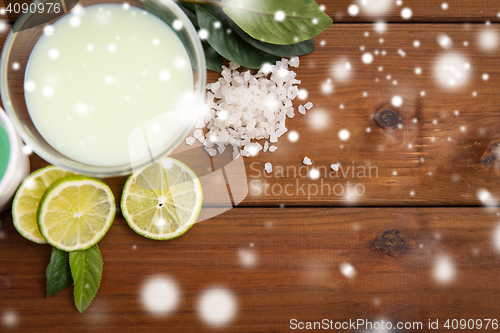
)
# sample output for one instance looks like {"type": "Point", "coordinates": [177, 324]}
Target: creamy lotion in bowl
{"type": "Point", "coordinates": [104, 78]}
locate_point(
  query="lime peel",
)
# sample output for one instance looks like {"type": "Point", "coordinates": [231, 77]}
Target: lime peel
{"type": "Point", "coordinates": [76, 212]}
{"type": "Point", "coordinates": [27, 199]}
{"type": "Point", "coordinates": [162, 201]}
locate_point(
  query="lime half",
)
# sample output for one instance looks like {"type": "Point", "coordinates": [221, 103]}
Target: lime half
{"type": "Point", "coordinates": [76, 212]}
{"type": "Point", "coordinates": [27, 199]}
{"type": "Point", "coordinates": [163, 200]}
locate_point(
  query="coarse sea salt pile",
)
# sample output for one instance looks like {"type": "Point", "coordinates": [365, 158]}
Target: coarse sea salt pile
{"type": "Point", "coordinates": [242, 108]}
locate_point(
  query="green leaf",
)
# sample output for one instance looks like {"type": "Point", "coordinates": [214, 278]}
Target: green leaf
{"type": "Point", "coordinates": [58, 272]}
{"type": "Point", "coordinates": [190, 11]}
{"type": "Point", "coordinates": [213, 59]}
{"type": "Point", "coordinates": [86, 269]}
{"type": "Point", "coordinates": [227, 43]}
{"type": "Point", "coordinates": [303, 19]}
{"type": "Point", "coordinates": [285, 51]}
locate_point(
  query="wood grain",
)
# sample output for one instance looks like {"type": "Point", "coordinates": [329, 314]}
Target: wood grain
{"type": "Point", "coordinates": [437, 155]}
{"type": "Point", "coordinates": [298, 253]}
{"type": "Point", "coordinates": [439, 160]}
{"type": "Point", "coordinates": [422, 11]}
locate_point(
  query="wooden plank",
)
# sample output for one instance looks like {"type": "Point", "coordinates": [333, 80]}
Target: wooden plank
{"type": "Point", "coordinates": [279, 264]}
{"type": "Point", "coordinates": [442, 159]}
{"type": "Point", "coordinates": [438, 157]}
{"type": "Point", "coordinates": [421, 11]}
{"type": "Point", "coordinates": [444, 152]}
{"type": "Point", "coordinates": [390, 11]}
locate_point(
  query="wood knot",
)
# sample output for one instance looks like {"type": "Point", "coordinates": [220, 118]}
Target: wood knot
{"type": "Point", "coordinates": [389, 242]}
{"type": "Point", "coordinates": [491, 157]}
{"type": "Point", "coordinates": [386, 116]}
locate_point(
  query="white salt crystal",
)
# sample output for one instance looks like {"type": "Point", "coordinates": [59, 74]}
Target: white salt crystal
{"type": "Point", "coordinates": [221, 148]}
{"type": "Point", "coordinates": [233, 65]}
{"type": "Point", "coordinates": [254, 148]}
{"type": "Point", "coordinates": [308, 105]}
{"type": "Point", "coordinates": [293, 92]}
{"type": "Point", "coordinates": [302, 109]}
{"type": "Point", "coordinates": [211, 151]}
{"type": "Point", "coordinates": [281, 131]}
{"type": "Point", "coordinates": [272, 149]}
{"type": "Point", "coordinates": [246, 76]}
{"type": "Point", "coordinates": [236, 152]}
{"type": "Point", "coordinates": [307, 161]}
{"type": "Point", "coordinates": [294, 62]}
{"type": "Point", "coordinates": [190, 140]}
{"type": "Point", "coordinates": [268, 167]}
{"type": "Point", "coordinates": [198, 134]}
{"type": "Point", "coordinates": [215, 86]}
{"type": "Point", "coordinates": [266, 146]}
{"type": "Point", "coordinates": [283, 73]}
{"type": "Point", "coordinates": [335, 167]}
{"type": "Point", "coordinates": [239, 80]}
{"type": "Point", "coordinates": [226, 73]}
{"type": "Point", "coordinates": [199, 123]}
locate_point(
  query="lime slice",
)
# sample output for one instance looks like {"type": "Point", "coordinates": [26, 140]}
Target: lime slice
{"type": "Point", "coordinates": [163, 200]}
{"type": "Point", "coordinates": [76, 212]}
{"type": "Point", "coordinates": [28, 196]}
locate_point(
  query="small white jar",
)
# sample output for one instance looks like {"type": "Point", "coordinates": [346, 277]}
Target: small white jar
{"type": "Point", "coordinates": [17, 169]}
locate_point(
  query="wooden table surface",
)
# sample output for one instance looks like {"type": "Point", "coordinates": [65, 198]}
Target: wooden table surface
{"type": "Point", "coordinates": [416, 245]}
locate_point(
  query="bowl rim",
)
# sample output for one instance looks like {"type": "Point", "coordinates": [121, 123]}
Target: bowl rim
{"type": "Point", "coordinates": [15, 151]}
{"type": "Point", "coordinates": [106, 171]}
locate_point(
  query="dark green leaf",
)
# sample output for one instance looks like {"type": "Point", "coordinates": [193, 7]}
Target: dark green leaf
{"type": "Point", "coordinates": [302, 21]}
{"type": "Point", "coordinates": [86, 269]}
{"type": "Point", "coordinates": [285, 51]}
{"type": "Point", "coordinates": [213, 59]}
{"type": "Point", "coordinates": [58, 272]}
{"type": "Point", "coordinates": [228, 43]}
{"type": "Point", "coordinates": [190, 11]}
{"type": "Point", "coordinates": [153, 9]}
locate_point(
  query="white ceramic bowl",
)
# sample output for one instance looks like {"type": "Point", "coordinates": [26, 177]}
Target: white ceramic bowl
{"type": "Point", "coordinates": [19, 164]}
